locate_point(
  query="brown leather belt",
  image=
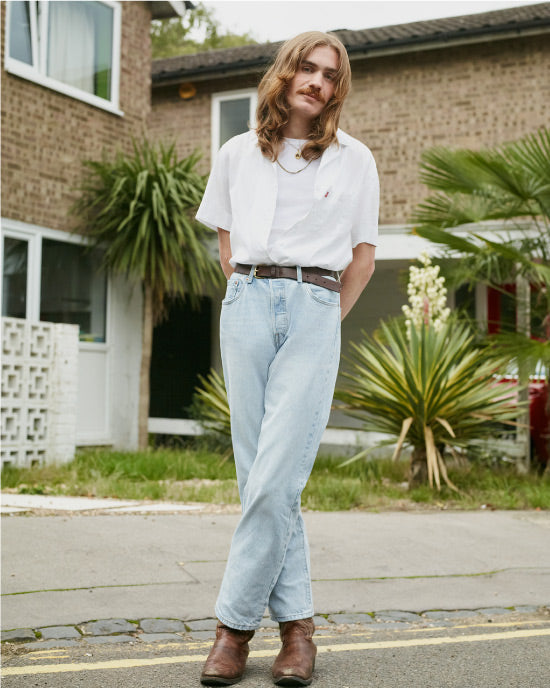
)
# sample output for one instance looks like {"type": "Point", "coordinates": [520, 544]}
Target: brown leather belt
{"type": "Point", "coordinates": [316, 276]}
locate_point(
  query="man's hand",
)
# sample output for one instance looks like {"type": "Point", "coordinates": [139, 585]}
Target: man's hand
{"type": "Point", "coordinates": [356, 276]}
{"type": "Point", "coordinates": [224, 242]}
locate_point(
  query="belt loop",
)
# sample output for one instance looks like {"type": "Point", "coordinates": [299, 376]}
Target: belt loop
{"type": "Point", "coordinates": [298, 274]}
{"type": "Point", "coordinates": [251, 274]}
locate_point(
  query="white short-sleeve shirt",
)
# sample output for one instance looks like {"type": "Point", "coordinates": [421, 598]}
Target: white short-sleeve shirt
{"type": "Point", "coordinates": [241, 195]}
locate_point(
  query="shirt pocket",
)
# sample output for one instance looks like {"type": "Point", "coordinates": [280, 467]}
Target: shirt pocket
{"type": "Point", "coordinates": [335, 208]}
{"type": "Point", "coordinates": [342, 206]}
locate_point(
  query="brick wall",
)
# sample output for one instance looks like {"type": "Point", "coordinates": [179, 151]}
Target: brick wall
{"type": "Point", "coordinates": [474, 96]}
{"type": "Point", "coordinates": [45, 134]}
{"type": "Point", "coordinates": [187, 122]}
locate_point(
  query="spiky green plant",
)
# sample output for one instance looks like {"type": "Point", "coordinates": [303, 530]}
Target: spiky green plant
{"type": "Point", "coordinates": [211, 405]}
{"type": "Point", "coordinates": [138, 209]}
{"type": "Point", "coordinates": [433, 390]}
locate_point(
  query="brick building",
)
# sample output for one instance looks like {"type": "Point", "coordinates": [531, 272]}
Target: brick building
{"type": "Point", "coordinates": [469, 81]}
{"type": "Point", "coordinates": [75, 80]}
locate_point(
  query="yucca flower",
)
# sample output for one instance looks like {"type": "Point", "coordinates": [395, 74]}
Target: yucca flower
{"type": "Point", "coordinates": [427, 296]}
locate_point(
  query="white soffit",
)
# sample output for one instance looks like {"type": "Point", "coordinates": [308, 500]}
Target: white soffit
{"type": "Point", "coordinates": [396, 242]}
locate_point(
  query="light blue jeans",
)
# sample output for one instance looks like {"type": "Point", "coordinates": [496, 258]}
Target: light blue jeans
{"type": "Point", "coordinates": [280, 343]}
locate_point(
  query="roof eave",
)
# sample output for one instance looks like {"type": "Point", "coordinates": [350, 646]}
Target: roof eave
{"type": "Point", "coordinates": [443, 40]}
{"type": "Point", "coordinates": [171, 8]}
{"type": "Point", "coordinates": [389, 47]}
{"type": "Point", "coordinates": [209, 72]}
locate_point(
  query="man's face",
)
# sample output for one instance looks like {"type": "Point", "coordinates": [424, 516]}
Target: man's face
{"type": "Point", "coordinates": [314, 83]}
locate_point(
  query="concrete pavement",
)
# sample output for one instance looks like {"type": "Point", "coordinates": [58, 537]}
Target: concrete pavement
{"type": "Point", "coordinates": [69, 568]}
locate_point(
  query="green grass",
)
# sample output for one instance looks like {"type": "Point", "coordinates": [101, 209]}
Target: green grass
{"type": "Point", "coordinates": [199, 474]}
{"type": "Point", "coordinates": [162, 474]}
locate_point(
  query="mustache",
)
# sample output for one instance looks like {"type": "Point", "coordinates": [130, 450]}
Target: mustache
{"type": "Point", "coordinates": [313, 92]}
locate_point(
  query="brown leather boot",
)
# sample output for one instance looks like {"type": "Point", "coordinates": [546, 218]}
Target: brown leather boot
{"type": "Point", "coordinates": [227, 658]}
{"type": "Point", "coordinates": [296, 660]}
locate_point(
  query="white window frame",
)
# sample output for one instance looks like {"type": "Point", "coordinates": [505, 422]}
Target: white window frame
{"type": "Point", "coordinates": [36, 71]}
{"type": "Point", "coordinates": [34, 248]}
{"type": "Point", "coordinates": [34, 235]}
{"type": "Point", "coordinates": [217, 99]}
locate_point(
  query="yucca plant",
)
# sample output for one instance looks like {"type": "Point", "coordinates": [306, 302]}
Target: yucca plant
{"type": "Point", "coordinates": [211, 408]}
{"type": "Point", "coordinates": [138, 209]}
{"type": "Point", "coordinates": [431, 390]}
{"type": "Point", "coordinates": [211, 405]}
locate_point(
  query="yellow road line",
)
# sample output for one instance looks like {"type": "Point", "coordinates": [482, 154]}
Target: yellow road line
{"type": "Point", "coordinates": [427, 629]}
{"type": "Point", "coordinates": [348, 647]}
{"type": "Point", "coordinates": [369, 631]}
{"type": "Point", "coordinates": [444, 640]}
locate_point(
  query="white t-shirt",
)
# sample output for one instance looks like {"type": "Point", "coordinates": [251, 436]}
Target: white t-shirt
{"type": "Point", "coordinates": [295, 185]}
{"type": "Point", "coordinates": [241, 197]}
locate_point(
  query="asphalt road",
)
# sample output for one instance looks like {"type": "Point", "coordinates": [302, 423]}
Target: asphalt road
{"type": "Point", "coordinates": [507, 654]}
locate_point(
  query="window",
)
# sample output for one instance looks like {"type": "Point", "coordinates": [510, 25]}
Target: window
{"type": "Point", "coordinates": [46, 278]}
{"type": "Point", "coordinates": [73, 290]}
{"type": "Point", "coordinates": [232, 113]}
{"type": "Point", "coordinates": [14, 277]}
{"type": "Point", "coordinates": [72, 47]}
{"type": "Point", "coordinates": [20, 47]}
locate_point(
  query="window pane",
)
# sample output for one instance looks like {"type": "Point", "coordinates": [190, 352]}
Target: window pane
{"type": "Point", "coordinates": [80, 39]}
{"type": "Point", "coordinates": [14, 282]}
{"type": "Point", "coordinates": [234, 117]}
{"type": "Point", "coordinates": [20, 32]}
{"type": "Point", "coordinates": [103, 20]}
{"type": "Point", "coordinates": [73, 290]}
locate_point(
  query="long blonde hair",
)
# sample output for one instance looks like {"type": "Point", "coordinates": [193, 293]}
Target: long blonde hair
{"type": "Point", "coordinates": [273, 111]}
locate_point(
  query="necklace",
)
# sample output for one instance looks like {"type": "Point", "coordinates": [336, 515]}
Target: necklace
{"type": "Point", "coordinates": [297, 171]}
{"type": "Point", "coordinates": [298, 149]}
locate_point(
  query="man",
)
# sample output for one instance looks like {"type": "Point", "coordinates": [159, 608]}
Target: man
{"type": "Point", "coordinates": [295, 202]}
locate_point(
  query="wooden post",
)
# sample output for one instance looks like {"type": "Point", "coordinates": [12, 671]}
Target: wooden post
{"type": "Point", "coordinates": [523, 326]}
{"type": "Point", "coordinates": [145, 367]}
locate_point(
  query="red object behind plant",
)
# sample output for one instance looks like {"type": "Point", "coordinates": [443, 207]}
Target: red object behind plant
{"type": "Point", "coordinates": [540, 420]}
{"type": "Point", "coordinates": [539, 417]}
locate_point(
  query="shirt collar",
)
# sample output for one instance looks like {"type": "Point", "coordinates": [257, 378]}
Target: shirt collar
{"type": "Point", "coordinates": [333, 151]}
{"type": "Point", "coordinates": [343, 138]}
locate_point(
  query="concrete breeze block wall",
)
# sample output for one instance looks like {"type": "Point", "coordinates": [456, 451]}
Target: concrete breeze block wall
{"type": "Point", "coordinates": [46, 135]}
{"type": "Point", "coordinates": [473, 95]}
{"type": "Point", "coordinates": [39, 392]}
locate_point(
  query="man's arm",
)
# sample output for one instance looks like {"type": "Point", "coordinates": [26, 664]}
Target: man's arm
{"type": "Point", "coordinates": [356, 276]}
{"type": "Point", "coordinates": [224, 242]}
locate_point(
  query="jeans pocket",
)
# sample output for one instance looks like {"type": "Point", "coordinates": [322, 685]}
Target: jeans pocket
{"type": "Point", "coordinates": [235, 287]}
{"type": "Point", "coordinates": [323, 295]}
